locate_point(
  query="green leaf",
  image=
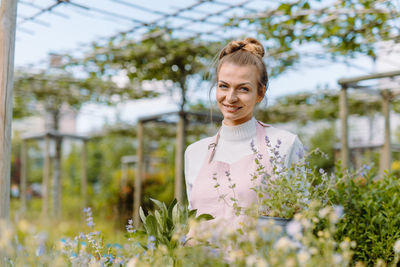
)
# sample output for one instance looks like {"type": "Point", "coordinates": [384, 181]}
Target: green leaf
{"type": "Point", "coordinates": [151, 226]}
{"type": "Point", "coordinates": [205, 217]}
{"type": "Point", "coordinates": [160, 221]}
{"type": "Point", "coordinates": [171, 206]}
{"type": "Point", "coordinates": [192, 213]}
{"type": "Point", "coordinates": [142, 216]}
{"type": "Point", "coordinates": [160, 205]}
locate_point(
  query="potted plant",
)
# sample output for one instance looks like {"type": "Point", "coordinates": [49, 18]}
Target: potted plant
{"type": "Point", "coordinates": [283, 191]}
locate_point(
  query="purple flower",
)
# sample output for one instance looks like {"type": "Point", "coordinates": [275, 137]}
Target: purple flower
{"type": "Point", "coordinates": [183, 239]}
{"type": "Point", "coordinates": [300, 153]}
{"type": "Point", "coordinates": [81, 235]}
{"type": "Point", "coordinates": [40, 250]}
{"type": "Point", "coordinates": [267, 139]}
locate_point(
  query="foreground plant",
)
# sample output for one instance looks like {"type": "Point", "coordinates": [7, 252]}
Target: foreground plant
{"type": "Point", "coordinates": [166, 226]}
{"type": "Point", "coordinates": [284, 191]}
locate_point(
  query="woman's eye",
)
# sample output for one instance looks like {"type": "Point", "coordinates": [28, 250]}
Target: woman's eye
{"type": "Point", "coordinates": [244, 89]}
{"type": "Point", "coordinates": [222, 86]}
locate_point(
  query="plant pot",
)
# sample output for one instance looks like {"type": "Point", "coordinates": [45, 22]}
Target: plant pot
{"type": "Point", "coordinates": [276, 227]}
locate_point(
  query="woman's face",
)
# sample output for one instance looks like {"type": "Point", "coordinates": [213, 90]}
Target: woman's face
{"type": "Point", "coordinates": [237, 92]}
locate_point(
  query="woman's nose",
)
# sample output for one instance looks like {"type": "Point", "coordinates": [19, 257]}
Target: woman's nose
{"type": "Point", "coordinates": [231, 97]}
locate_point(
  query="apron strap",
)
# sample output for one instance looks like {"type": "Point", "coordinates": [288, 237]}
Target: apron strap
{"type": "Point", "coordinates": [211, 148]}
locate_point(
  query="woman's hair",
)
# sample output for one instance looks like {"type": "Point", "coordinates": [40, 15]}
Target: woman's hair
{"type": "Point", "coordinates": [244, 53]}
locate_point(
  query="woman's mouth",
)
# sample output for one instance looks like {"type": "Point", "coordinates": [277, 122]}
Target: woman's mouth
{"type": "Point", "coordinates": [231, 108]}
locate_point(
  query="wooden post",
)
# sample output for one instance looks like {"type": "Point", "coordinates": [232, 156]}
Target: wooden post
{"type": "Point", "coordinates": [139, 174]}
{"type": "Point", "coordinates": [124, 174]}
{"type": "Point", "coordinates": [46, 177]}
{"type": "Point", "coordinates": [24, 163]}
{"type": "Point", "coordinates": [343, 110]}
{"type": "Point", "coordinates": [122, 188]}
{"type": "Point", "coordinates": [8, 16]}
{"type": "Point", "coordinates": [386, 159]}
{"type": "Point", "coordinates": [56, 197]}
{"type": "Point", "coordinates": [179, 154]}
{"type": "Point", "coordinates": [84, 174]}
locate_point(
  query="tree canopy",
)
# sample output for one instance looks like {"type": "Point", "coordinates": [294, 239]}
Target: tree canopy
{"type": "Point", "coordinates": [329, 29]}
{"type": "Point", "coordinates": [52, 90]}
{"type": "Point", "coordinates": [159, 57]}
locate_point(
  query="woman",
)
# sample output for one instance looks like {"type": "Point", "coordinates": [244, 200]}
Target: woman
{"type": "Point", "coordinates": [218, 168]}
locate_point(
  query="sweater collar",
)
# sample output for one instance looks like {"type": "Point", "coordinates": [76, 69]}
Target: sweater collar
{"type": "Point", "coordinates": [239, 132]}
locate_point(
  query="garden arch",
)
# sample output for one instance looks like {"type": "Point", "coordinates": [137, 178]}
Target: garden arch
{"type": "Point", "coordinates": [387, 95]}
{"type": "Point", "coordinates": [47, 137]}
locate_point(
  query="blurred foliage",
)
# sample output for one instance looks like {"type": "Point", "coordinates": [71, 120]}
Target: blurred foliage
{"type": "Point", "coordinates": [53, 89]}
{"type": "Point", "coordinates": [324, 140]}
{"type": "Point", "coordinates": [342, 29]}
{"type": "Point", "coordinates": [157, 57]}
{"type": "Point", "coordinates": [318, 105]}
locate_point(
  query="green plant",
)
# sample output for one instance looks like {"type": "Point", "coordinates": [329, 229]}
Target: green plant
{"type": "Point", "coordinates": [371, 213]}
{"type": "Point", "coordinates": [168, 226]}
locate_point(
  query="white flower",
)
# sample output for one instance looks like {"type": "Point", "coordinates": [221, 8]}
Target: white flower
{"type": "Point", "coordinates": [284, 243]}
{"type": "Point", "coordinates": [336, 214]}
{"type": "Point", "coordinates": [303, 256]}
{"type": "Point", "coordinates": [323, 212]}
{"type": "Point", "coordinates": [251, 260]}
{"type": "Point", "coordinates": [396, 247]}
{"type": "Point", "coordinates": [132, 262]}
{"type": "Point", "coordinates": [261, 263]}
{"type": "Point", "coordinates": [294, 229]}
{"type": "Point", "coordinates": [337, 259]}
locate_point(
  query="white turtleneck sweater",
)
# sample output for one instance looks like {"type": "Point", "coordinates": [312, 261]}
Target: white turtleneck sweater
{"type": "Point", "coordinates": [234, 143]}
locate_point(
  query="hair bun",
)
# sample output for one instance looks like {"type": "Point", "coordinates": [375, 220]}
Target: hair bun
{"type": "Point", "coordinates": [249, 44]}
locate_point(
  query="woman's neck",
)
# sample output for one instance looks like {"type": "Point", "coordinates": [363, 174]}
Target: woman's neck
{"type": "Point", "coordinates": [239, 132]}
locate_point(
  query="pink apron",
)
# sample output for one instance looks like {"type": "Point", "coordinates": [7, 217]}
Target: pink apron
{"type": "Point", "coordinates": [206, 198]}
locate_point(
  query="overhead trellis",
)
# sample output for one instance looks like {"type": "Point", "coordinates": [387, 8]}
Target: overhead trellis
{"type": "Point", "coordinates": [186, 20]}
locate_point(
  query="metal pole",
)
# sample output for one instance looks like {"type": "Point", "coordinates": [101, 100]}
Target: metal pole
{"type": "Point", "coordinates": [8, 16]}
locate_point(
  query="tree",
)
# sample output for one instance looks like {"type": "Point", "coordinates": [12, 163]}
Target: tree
{"type": "Point", "coordinates": [331, 28]}
{"type": "Point", "coordinates": [159, 57]}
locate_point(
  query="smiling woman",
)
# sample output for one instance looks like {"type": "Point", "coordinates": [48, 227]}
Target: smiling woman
{"type": "Point", "coordinates": [216, 165]}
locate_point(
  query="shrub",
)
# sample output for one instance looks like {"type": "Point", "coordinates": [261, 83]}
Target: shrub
{"type": "Point", "coordinates": [371, 213]}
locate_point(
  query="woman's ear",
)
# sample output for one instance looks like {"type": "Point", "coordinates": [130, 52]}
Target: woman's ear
{"type": "Point", "coordinates": [261, 94]}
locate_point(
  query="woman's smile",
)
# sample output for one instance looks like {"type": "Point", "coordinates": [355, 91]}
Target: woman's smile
{"type": "Point", "coordinates": [231, 108]}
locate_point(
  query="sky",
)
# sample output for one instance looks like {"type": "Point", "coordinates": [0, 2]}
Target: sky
{"type": "Point", "coordinates": [72, 29]}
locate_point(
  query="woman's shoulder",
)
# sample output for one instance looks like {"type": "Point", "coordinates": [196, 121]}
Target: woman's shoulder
{"type": "Point", "coordinates": [200, 145]}
{"type": "Point", "coordinates": [278, 133]}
